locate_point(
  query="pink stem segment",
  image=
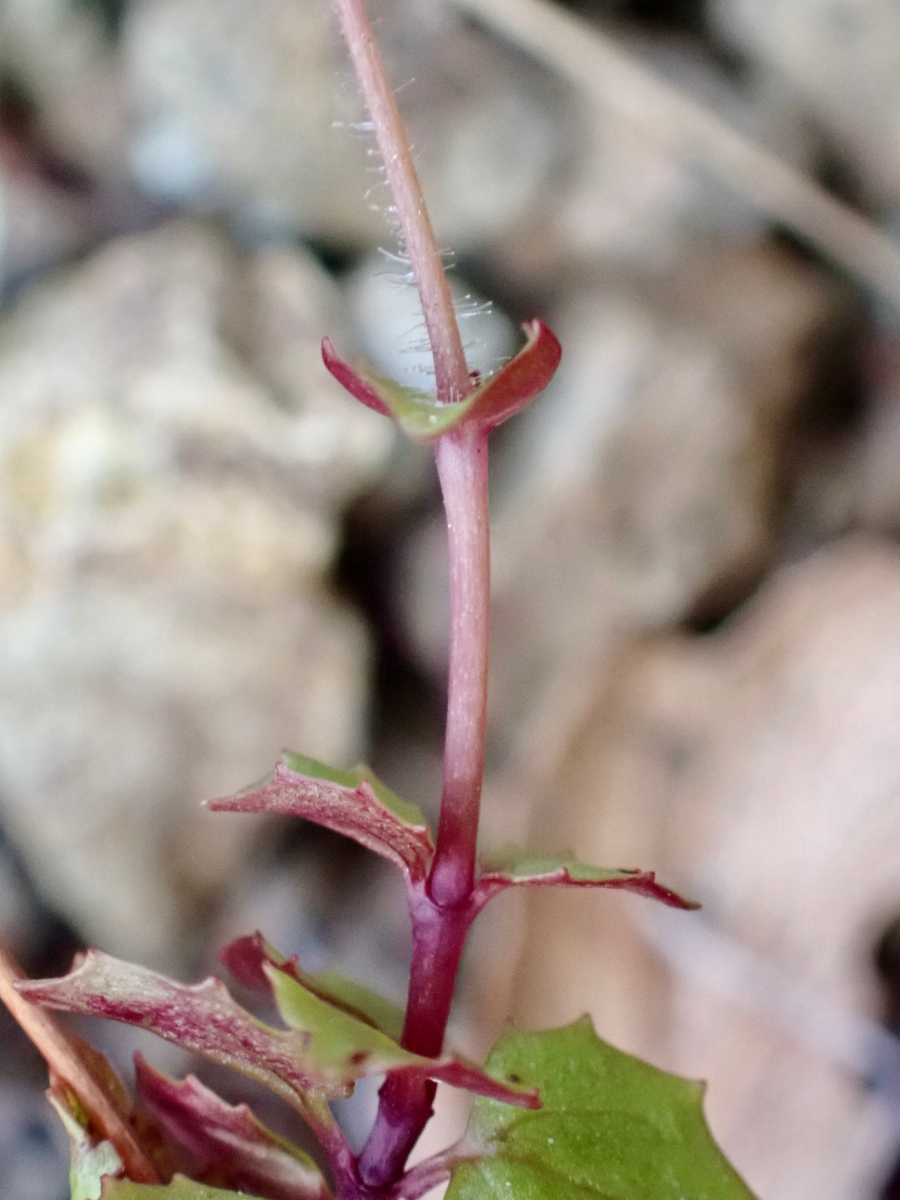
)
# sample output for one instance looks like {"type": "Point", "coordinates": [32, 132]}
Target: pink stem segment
{"type": "Point", "coordinates": [440, 912]}
{"type": "Point", "coordinates": [450, 368]}
{"type": "Point", "coordinates": [406, 1104]}
{"type": "Point", "coordinates": [462, 460]}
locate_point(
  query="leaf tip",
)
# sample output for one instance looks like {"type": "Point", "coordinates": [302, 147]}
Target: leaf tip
{"type": "Point", "coordinates": [351, 380]}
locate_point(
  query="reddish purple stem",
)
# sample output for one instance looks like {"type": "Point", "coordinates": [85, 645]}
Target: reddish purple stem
{"type": "Point", "coordinates": [441, 912]}
{"type": "Point", "coordinates": [462, 460]}
{"type": "Point", "coordinates": [406, 1104]}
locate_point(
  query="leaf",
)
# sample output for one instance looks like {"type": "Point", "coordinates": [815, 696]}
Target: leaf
{"type": "Point", "coordinates": [352, 1048]}
{"type": "Point", "coordinates": [246, 956]}
{"type": "Point", "coordinates": [321, 1055]}
{"type": "Point", "coordinates": [425, 418]}
{"type": "Point", "coordinates": [517, 383]}
{"type": "Point", "coordinates": [369, 1006]}
{"type": "Point", "coordinates": [354, 803]}
{"type": "Point", "coordinates": [91, 1161]}
{"type": "Point", "coordinates": [221, 1144]}
{"type": "Point", "coordinates": [203, 1018]}
{"type": "Point", "coordinates": [179, 1189]}
{"type": "Point", "coordinates": [512, 867]}
{"type": "Point", "coordinates": [611, 1128]}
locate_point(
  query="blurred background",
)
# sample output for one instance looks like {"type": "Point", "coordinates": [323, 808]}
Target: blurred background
{"type": "Point", "coordinates": [208, 552]}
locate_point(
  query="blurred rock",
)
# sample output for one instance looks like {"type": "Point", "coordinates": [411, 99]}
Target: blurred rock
{"type": "Point", "coordinates": [60, 55]}
{"type": "Point", "coordinates": [235, 106]}
{"type": "Point", "coordinates": [168, 504]}
{"type": "Point", "coordinates": [757, 770]}
{"type": "Point", "coordinates": [633, 199]}
{"type": "Point", "coordinates": [40, 225]}
{"type": "Point", "coordinates": [843, 60]}
{"type": "Point", "coordinates": [33, 1151]}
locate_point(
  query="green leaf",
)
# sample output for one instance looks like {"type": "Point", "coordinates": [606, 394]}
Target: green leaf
{"type": "Point", "coordinates": [411, 814]}
{"type": "Point", "coordinates": [352, 996]}
{"type": "Point", "coordinates": [490, 403]}
{"type": "Point", "coordinates": [354, 803]}
{"type": "Point", "coordinates": [513, 867]}
{"type": "Point", "coordinates": [245, 958]}
{"type": "Point", "coordinates": [345, 1048]}
{"type": "Point", "coordinates": [419, 414]}
{"type": "Point", "coordinates": [611, 1128]}
{"type": "Point", "coordinates": [179, 1189]}
{"type": "Point", "coordinates": [342, 1046]}
{"type": "Point", "coordinates": [90, 1162]}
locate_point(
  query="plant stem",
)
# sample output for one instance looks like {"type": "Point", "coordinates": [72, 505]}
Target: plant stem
{"type": "Point", "coordinates": [450, 368]}
{"type": "Point", "coordinates": [406, 1104]}
{"type": "Point", "coordinates": [322, 1122]}
{"type": "Point", "coordinates": [462, 460]}
{"type": "Point", "coordinates": [61, 1053]}
{"type": "Point", "coordinates": [440, 912]}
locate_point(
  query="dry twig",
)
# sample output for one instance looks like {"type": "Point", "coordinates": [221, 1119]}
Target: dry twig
{"type": "Point", "coordinates": [611, 77]}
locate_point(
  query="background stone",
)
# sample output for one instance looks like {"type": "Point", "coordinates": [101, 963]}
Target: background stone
{"type": "Point", "coordinates": [167, 519]}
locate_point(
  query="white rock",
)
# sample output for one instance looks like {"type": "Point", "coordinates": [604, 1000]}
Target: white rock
{"type": "Point", "coordinates": [166, 517]}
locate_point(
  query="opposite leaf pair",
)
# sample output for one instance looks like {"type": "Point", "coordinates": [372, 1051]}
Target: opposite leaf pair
{"type": "Point", "coordinates": [356, 804]}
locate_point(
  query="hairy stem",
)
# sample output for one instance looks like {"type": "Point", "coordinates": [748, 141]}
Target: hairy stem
{"type": "Point", "coordinates": [450, 368]}
{"type": "Point", "coordinates": [440, 913]}
{"type": "Point", "coordinates": [61, 1053]}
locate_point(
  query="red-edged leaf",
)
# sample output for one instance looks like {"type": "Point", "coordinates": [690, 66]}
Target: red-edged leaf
{"type": "Point", "coordinates": [350, 378]}
{"type": "Point", "coordinates": [203, 1018]}
{"type": "Point", "coordinates": [246, 957]}
{"type": "Point", "coordinates": [354, 803]}
{"type": "Point", "coordinates": [222, 1145]}
{"type": "Point", "coordinates": [512, 867]}
{"type": "Point", "coordinates": [517, 383]}
{"type": "Point", "coordinates": [321, 1055]}
{"type": "Point", "coordinates": [425, 418]}
{"type": "Point", "coordinates": [352, 1047]}
{"type": "Point", "coordinates": [345, 1031]}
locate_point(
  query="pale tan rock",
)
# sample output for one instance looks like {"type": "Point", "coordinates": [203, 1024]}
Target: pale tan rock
{"type": "Point", "coordinates": [758, 771]}
{"type": "Point", "coordinates": [843, 61]}
{"type": "Point", "coordinates": [40, 225]}
{"type": "Point", "coordinates": [167, 515]}
{"type": "Point", "coordinates": [61, 55]}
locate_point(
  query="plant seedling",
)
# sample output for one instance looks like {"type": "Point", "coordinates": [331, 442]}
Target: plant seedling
{"type": "Point", "coordinates": [558, 1115]}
